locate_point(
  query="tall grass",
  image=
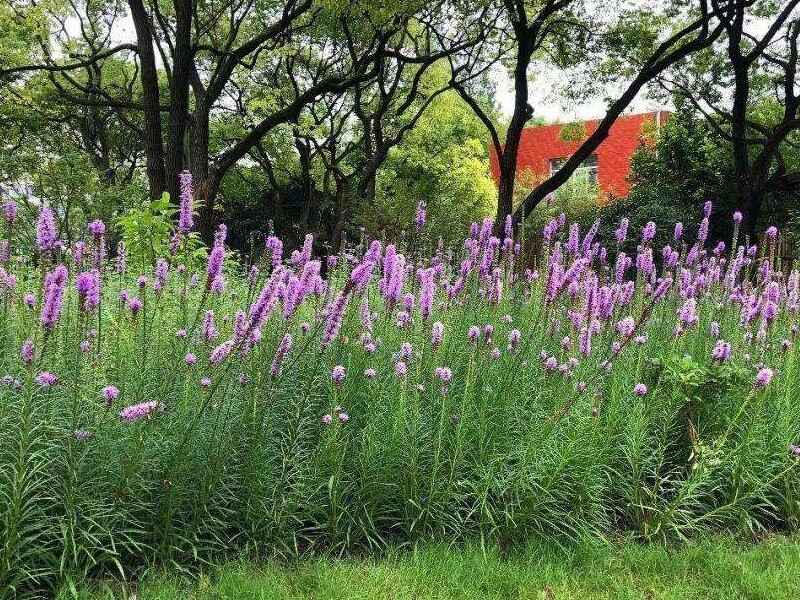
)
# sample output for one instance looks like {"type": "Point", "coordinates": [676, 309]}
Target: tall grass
{"type": "Point", "coordinates": [628, 426]}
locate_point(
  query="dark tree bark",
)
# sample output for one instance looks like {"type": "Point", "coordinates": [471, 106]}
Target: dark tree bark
{"type": "Point", "coordinates": [152, 135]}
{"type": "Point", "coordinates": [179, 95]}
{"type": "Point", "coordinates": [756, 146]}
{"type": "Point", "coordinates": [694, 37]}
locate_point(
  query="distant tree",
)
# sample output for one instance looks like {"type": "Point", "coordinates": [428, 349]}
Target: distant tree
{"type": "Point", "coordinates": [620, 45]}
{"type": "Point", "coordinates": [746, 88]}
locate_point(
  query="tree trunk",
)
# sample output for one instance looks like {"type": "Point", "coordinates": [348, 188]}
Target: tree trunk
{"type": "Point", "coordinates": [522, 113]}
{"type": "Point", "coordinates": [179, 95]}
{"type": "Point", "coordinates": [341, 214]}
{"type": "Point", "coordinates": [153, 145]}
{"type": "Point", "coordinates": [199, 166]}
{"type": "Point", "coordinates": [305, 180]}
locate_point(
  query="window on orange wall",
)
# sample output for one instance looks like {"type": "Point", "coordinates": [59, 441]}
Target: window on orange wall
{"type": "Point", "coordinates": [588, 167]}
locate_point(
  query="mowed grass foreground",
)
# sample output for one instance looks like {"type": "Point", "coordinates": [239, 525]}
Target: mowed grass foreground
{"type": "Point", "coordinates": [714, 568]}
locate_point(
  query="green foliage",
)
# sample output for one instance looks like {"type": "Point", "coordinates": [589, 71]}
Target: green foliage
{"type": "Point", "coordinates": [579, 199]}
{"type": "Point", "coordinates": [146, 232]}
{"type": "Point", "coordinates": [443, 161]}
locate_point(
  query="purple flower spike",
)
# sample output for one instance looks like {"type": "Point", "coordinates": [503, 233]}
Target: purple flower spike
{"type": "Point", "coordinates": [763, 377]}
{"type": "Point", "coordinates": [10, 211]}
{"type": "Point", "coordinates": [420, 217]}
{"type": "Point", "coordinates": [46, 378]}
{"type": "Point", "coordinates": [640, 389]}
{"type": "Point", "coordinates": [137, 412]}
{"type": "Point", "coordinates": [400, 369]}
{"type": "Point", "coordinates": [109, 394]}
{"type": "Point", "coordinates": [54, 285]}
{"type": "Point", "coordinates": [97, 228]}
{"type": "Point", "coordinates": [46, 236]}
{"type": "Point", "coordinates": [280, 354]}
{"type": "Point", "coordinates": [338, 374]}
{"type": "Point", "coordinates": [185, 219]}
{"type": "Point", "coordinates": [26, 352]}
{"type": "Point", "coordinates": [649, 231]}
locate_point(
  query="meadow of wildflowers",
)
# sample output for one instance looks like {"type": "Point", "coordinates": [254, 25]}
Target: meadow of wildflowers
{"type": "Point", "coordinates": [185, 413]}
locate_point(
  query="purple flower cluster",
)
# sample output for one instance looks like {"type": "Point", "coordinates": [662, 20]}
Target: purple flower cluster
{"type": "Point", "coordinates": [137, 412]}
{"type": "Point", "coordinates": [186, 216]}
{"type": "Point", "coordinates": [54, 286]}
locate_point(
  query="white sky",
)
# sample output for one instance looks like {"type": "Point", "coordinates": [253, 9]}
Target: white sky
{"type": "Point", "coordinates": [551, 106]}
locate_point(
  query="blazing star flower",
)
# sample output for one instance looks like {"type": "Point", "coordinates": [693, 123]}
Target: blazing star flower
{"type": "Point", "coordinates": [190, 359]}
{"type": "Point", "coordinates": [763, 377]}
{"type": "Point", "coordinates": [621, 232]}
{"type": "Point", "coordinates": [426, 292]}
{"type": "Point", "coordinates": [327, 419]}
{"type": "Point", "coordinates": [216, 258]}
{"type": "Point", "coordinates": [109, 394]}
{"type": "Point", "coordinates": [88, 286]}
{"type": "Point", "coordinates": [772, 232]}
{"type": "Point", "coordinates": [121, 259]}
{"type": "Point", "coordinates": [280, 354]}
{"type": "Point", "coordinates": [205, 382]}
{"type": "Point", "coordinates": [702, 232]}
{"type": "Point", "coordinates": [687, 314]}
{"type": "Point", "coordinates": [46, 378]}
{"type": "Point", "coordinates": [370, 373]}
{"type": "Point", "coordinates": [649, 231]}
{"type": "Point", "coordinates": [97, 228]}
{"type": "Point", "coordinates": [514, 338]}
{"type": "Point", "coordinates": [135, 305]}
{"type": "Point", "coordinates": [437, 334]}
{"type": "Point", "coordinates": [137, 412]}
{"type": "Point", "coordinates": [626, 326]}
{"type": "Point", "coordinates": [54, 285]}
{"type": "Point", "coordinates": [473, 334]}
{"type": "Point", "coordinates": [420, 216]}
{"type": "Point", "coordinates": [737, 217]}
{"type": "Point", "coordinates": [444, 374]}
{"type": "Point", "coordinates": [185, 218]}
{"type": "Point", "coordinates": [639, 389]}
{"type": "Point", "coordinates": [721, 352]}
{"type": "Point", "coordinates": [335, 315]}
{"type": "Point", "coordinates": [275, 248]}
{"type": "Point", "coordinates": [46, 236]}
{"type": "Point", "coordinates": [160, 275]}
{"type": "Point", "coordinates": [10, 211]}
{"type": "Point", "coordinates": [221, 352]}
{"type": "Point", "coordinates": [338, 374]}
{"type": "Point", "coordinates": [82, 435]}
{"type": "Point", "coordinates": [400, 369]}
{"type": "Point", "coordinates": [208, 328]}
{"type": "Point", "coordinates": [26, 352]}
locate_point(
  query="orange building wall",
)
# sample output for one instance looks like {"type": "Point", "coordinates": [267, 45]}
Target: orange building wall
{"type": "Point", "coordinates": [542, 143]}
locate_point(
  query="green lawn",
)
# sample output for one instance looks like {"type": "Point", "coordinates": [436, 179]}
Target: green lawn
{"type": "Point", "coordinates": [717, 568]}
